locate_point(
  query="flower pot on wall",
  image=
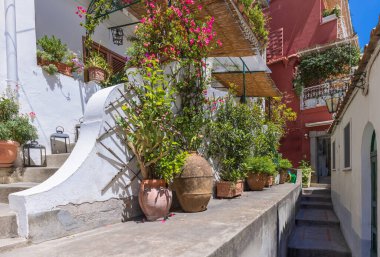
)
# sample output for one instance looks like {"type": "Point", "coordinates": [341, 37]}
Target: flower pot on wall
{"type": "Point", "coordinates": [256, 181]}
{"type": "Point", "coordinates": [228, 189]}
{"type": "Point", "coordinates": [194, 185]}
{"type": "Point", "coordinates": [155, 198]}
{"type": "Point", "coordinates": [283, 176]}
{"type": "Point", "coordinates": [8, 153]}
{"type": "Point", "coordinates": [269, 181]}
{"type": "Point", "coordinates": [64, 69]}
{"type": "Point", "coordinates": [96, 74]}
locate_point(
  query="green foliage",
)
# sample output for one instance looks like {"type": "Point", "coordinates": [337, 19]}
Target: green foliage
{"type": "Point", "coordinates": [336, 10]}
{"type": "Point", "coordinates": [284, 164]}
{"type": "Point", "coordinates": [148, 125]}
{"type": "Point", "coordinates": [171, 165]}
{"type": "Point", "coordinates": [258, 21]}
{"type": "Point", "coordinates": [318, 67]}
{"type": "Point", "coordinates": [51, 69]}
{"type": "Point", "coordinates": [306, 171]}
{"type": "Point", "coordinates": [98, 61]}
{"type": "Point", "coordinates": [115, 79]}
{"type": "Point", "coordinates": [231, 136]}
{"type": "Point", "coordinates": [13, 126]}
{"type": "Point", "coordinates": [260, 164]}
{"type": "Point", "coordinates": [52, 49]}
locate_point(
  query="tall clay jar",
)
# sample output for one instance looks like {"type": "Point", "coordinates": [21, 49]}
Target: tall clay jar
{"type": "Point", "coordinates": [155, 198]}
{"type": "Point", "coordinates": [194, 185]}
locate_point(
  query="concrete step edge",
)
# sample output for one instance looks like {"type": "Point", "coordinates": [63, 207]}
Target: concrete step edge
{"type": "Point", "coordinates": [8, 244]}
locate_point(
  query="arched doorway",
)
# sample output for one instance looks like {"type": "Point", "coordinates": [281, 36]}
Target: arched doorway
{"type": "Point", "coordinates": [373, 196]}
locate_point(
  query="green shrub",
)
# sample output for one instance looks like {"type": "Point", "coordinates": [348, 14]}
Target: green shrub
{"type": "Point", "coordinates": [336, 10]}
{"type": "Point", "coordinates": [284, 164]}
{"type": "Point", "coordinates": [98, 61]}
{"type": "Point", "coordinates": [258, 21]}
{"type": "Point", "coordinates": [51, 69]}
{"type": "Point", "coordinates": [306, 172]}
{"type": "Point", "coordinates": [52, 49]}
{"type": "Point", "coordinates": [260, 164]}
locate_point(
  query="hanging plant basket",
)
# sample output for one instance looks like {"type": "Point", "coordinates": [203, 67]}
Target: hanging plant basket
{"type": "Point", "coordinates": [97, 74]}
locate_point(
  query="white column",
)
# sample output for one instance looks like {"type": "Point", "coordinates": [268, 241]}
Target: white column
{"type": "Point", "coordinates": [11, 43]}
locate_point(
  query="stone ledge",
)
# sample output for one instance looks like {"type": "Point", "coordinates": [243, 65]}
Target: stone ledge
{"type": "Point", "coordinates": [256, 224]}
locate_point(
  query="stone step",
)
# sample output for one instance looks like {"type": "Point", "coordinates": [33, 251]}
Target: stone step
{"type": "Point", "coordinates": [7, 244]}
{"type": "Point", "coordinates": [317, 217]}
{"type": "Point", "coordinates": [316, 205]}
{"type": "Point", "coordinates": [56, 160]}
{"type": "Point", "coordinates": [7, 189]}
{"type": "Point", "coordinates": [317, 197]}
{"type": "Point", "coordinates": [316, 191]}
{"type": "Point", "coordinates": [312, 241]}
{"type": "Point", "coordinates": [37, 174]}
{"type": "Point", "coordinates": [10, 175]}
{"type": "Point", "coordinates": [327, 186]}
{"type": "Point", "coordinates": [8, 222]}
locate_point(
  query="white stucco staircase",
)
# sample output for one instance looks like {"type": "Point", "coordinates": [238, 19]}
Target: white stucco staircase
{"type": "Point", "coordinates": [13, 181]}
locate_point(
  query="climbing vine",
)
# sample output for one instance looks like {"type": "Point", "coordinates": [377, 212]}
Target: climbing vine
{"type": "Point", "coordinates": [318, 67]}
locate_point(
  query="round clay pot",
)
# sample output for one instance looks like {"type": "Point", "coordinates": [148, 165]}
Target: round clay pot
{"type": "Point", "coordinates": [283, 176]}
{"type": "Point", "coordinates": [256, 181]}
{"type": "Point", "coordinates": [194, 185]}
{"type": "Point", "coordinates": [269, 181]}
{"type": "Point", "coordinates": [8, 153]}
{"type": "Point", "coordinates": [155, 198]}
{"type": "Point", "coordinates": [96, 74]}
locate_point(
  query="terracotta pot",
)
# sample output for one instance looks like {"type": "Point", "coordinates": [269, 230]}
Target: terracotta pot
{"type": "Point", "coordinates": [283, 176]}
{"type": "Point", "coordinates": [256, 181]}
{"type": "Point", "coordinates": [62, 67]}
{"type": "Point", "coordinates": [194, 185]}
{"type": "Point", "coordinates": [269, 181]}
{"type": "Point", "coordinates": [155, 198]}
{"type": "Point", "coordinates": [8, 153]}
{"type": "Point", "coordinates": [96, 74]}
{"type": "Point", "coordinates": [228, 189]}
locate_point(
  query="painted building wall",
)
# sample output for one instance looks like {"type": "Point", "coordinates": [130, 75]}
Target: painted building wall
{"type": "Point", "coordinates": [351, 188]}
{"type": "Point", "coordinates": [301, 30]}
{"type": "Point", "coordinates": [59, 99]}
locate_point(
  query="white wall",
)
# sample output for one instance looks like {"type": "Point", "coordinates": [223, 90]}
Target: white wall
{"type": "Point", "coordinates": [56, 100]}
{"type": "Point", "coordinates": [351, 188]}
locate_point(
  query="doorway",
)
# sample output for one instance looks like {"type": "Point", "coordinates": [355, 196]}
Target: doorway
{"type": "Point", "coordinates": [373, 196]}
{"type": "Point", "coordinates": [323, 159]}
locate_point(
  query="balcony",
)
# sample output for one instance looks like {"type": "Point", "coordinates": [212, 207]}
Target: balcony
{"type": "Point", "coordinates": [313, 97]}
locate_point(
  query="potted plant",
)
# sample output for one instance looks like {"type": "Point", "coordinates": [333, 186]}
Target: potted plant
{"type": "Point", "coordinates": [15, 130]}
{"type": "Point", "coordinates": [284, 165]}
{"type": "Point", "coordinates": [258, 168]}
{"type": "Point", "coordinates": [53, 56]}
{"type": "Point", "coordinates": [97, 67]}
{"type": "Point", "coordinates": [306, 173]}
{"type": "Point", "coordinates": [231, 138]}
{"type": "Point", "coordinates": [149, 132]}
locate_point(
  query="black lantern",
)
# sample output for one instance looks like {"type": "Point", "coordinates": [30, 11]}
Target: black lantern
{"type": "Point", "coordinates": [77, 129]}
{"type": "Point", "coordinates": [56, 141]}
{"type": "Point", "coordinates": [34, 154]}
{"type": "Point", "coordinates": [117, 36]}
{"type": "Point", "coordinates": [332, 102]}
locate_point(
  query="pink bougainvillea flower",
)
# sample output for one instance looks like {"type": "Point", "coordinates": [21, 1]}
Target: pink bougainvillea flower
{"type": "Point", "coordinates": [200, 7]}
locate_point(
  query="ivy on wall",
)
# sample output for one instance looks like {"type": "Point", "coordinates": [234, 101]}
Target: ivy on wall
{"type": "Point", "coordinates": [318, 67]}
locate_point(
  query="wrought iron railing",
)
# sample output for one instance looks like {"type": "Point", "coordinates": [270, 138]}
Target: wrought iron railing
{"type": "Point", "coordinates": [313, 96]}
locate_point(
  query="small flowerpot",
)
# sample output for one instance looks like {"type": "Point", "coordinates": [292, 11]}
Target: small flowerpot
{"type": "Point", "coordinates": [96, 74]}
{"type": "Point", "coordinates": [228, 189]}
{"type": "Point", "coordinates": [155, 198]}
{"type": "Point", "coordinates": [283, 176]}
{"type": "Point", "coordinates": [8, 153]}
{"type": "Point", "coordinates": [269, 181]}
{"type": "Point", "coordinates": [256, 181]}
{"type": "Point", "coordinates": [194, 185]}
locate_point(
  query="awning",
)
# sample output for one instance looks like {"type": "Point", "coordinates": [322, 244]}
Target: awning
{"type": "Point", "coordinates": [249, 75]}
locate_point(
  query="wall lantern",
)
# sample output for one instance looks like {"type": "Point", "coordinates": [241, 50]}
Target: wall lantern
{"type": "Point", "coordinates": [117, 36]}
{"type": "Point", "coordinates": [77, 129]}
{"type": "Point", "coordinates": [34, 154]}
{"type": "Point", "coordinates": [332, 102]}
{"type": "Point", "coordinates": [57, 143]}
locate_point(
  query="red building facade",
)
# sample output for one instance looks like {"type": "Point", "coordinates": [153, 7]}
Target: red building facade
{"type": "Point", "coordinates": [297, 26]}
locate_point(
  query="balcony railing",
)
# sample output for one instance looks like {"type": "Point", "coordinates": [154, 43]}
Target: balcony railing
{"type": "Point", "coordinates": [313, 97]}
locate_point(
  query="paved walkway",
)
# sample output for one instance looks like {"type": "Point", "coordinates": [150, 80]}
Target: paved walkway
{"type": "Point", "coordinates": [185, 234]}
{"type": "Point", "coordinates": [317, 231]}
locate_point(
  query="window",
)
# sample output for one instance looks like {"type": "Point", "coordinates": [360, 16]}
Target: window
{"type": "Point", "coordinates": [116, 61]}
{"type": "Point", "coordinates": [347, 145]}
{"type": "Point", "coordinates": [333, 156]}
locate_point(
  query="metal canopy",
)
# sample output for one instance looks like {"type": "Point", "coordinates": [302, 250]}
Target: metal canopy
{"type": "Point", "coordinates": [250, 76]}
{"type": "Point", "coordinates": [116, 5]}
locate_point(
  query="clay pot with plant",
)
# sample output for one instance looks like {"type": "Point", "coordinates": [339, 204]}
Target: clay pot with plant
{"type": "Point", "coordinates": [15, 130]}
{"type": "Point", "coordinates": [97, 67]}
{"type": "Point", "coordinates": [148, 126]}
{"type": "Point", "coordinates": [258, 169]}
{"type": "Point", "coordinates": [284, 165]}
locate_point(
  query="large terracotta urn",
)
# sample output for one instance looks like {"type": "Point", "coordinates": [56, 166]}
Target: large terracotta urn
{"type": "Point", "coordinates": [194, 185]}
{"type": "Point", "coordinates": [8, 153]}
{"type": "Point", "coordinates": [155, 198]}
{"type": "Point", "coordinates": [256, 181]}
